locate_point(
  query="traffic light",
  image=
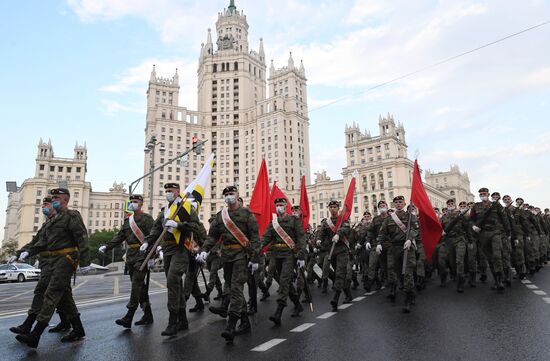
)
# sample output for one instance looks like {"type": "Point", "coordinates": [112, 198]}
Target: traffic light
{"type": "Point", "coordinates": [196, 147]}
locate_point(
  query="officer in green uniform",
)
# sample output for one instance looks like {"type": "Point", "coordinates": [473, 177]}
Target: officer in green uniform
{"type": "Point", "coordinates": [330, 235]}
{"type": "Point", "coordinates": [65, 245]}
{"type": "Point", "coordinates": [45, 275]}
{"type": "Point", "coordinates": [214, 264]}
{"type": "Point", "coordinates": [531, 236]}
{"type": "Point", "coordinates": [191, 282]}
{"type": "Point", "coordinates": [545, 231]}
{"type": "Point", "coordinates": [517, 228]}
{"type": "Point", "coordinates": [180, 223]}
{"type": "Point", "coordinates": [506, 246]}
{"type": "Point", "coordinates": [133, 232]}
{"type": "Point", "coordinates": [286, 240]}
{"type": "Point", "coordinates": [394, 230]}
{"type": "Point", "coordinates": [239, 251]}
{"type": "Point", "coordinates": [378, 258]}
{"type": "Point", "coordinates": [488, 226]}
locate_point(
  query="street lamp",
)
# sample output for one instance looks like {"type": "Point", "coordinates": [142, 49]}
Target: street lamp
{"type": "Point", "coordinates": [150, 149]}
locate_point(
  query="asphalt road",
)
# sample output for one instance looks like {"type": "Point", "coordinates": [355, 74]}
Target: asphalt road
{"type": "Point", "coordinates": [444, 325]}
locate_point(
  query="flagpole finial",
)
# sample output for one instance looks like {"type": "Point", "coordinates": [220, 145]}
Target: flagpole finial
{"type": "Point", "coordinates": [355, 174]}
{"type": "Point", "coordinates": [416, 154]}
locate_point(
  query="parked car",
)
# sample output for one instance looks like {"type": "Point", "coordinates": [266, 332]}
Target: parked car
{"type": "Point", "coordinates": [3, 276]}
{"type": "Point", "coordinates": [19, 272]}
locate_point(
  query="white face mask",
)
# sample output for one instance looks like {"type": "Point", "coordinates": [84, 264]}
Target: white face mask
{"type": "Point", "coordinates": [484, 198]}
{"type": "Point", "coordinates": [508, 202]}
{"type": "Point", "coordinates": [230, 199]}
{"type": "Point", "coordinates": [383, 209]}
{"type": "Point", "coordinates": [450, 209]}
{"type": "Point", "coordinates": [170, 197]}
{"type": "Point", "coordinates": [463, 210]}
{"type": "Point", "coordinates": [296, 214]}
{"type": "Point", "coordinates": [280, 209]}
{"type": "Point", "coordinates": [133, 207]}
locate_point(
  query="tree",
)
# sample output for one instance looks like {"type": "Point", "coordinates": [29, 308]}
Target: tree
{"type": "Point", "coordinates": [8, 249]}
{"type": "Point", "coordinates": [99, 238]}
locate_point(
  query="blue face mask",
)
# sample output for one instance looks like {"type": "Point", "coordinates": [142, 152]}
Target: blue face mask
{"type": "Point", "coordinates": [133, 207]}
{"type": "Point", "coordinates": [46, 211]}
{"type": "Point", "coordinates": [56, 205]}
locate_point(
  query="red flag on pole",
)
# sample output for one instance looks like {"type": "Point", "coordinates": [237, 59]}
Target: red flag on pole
{"type": "Point", "coordinates": [304, 203]}
{"type": "Point", "coordinates": [260, 203]}
{"type": "Point", "coordinates": [430, 227]}
{"type": "Point", "coordinates": [276, 192]}
{"type": "Point", "coordinates": [348, 204]}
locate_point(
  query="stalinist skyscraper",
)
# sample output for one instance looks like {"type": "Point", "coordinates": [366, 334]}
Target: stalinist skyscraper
{"type": "Point", "coordinates": [245, 113]}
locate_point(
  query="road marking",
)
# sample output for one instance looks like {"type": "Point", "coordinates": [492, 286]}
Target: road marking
{"type": "Point", "coordinates": [525, 282]}
{"type": "Point", "coordinates": [546, 299]}
{"type": "Point", "coordinates": [531, 287]}
{"type": "Point", "coordinates": [326, 315]}
{"type": "Point", "coordinates": [370, 293]}
{"type": "Point", "coordinates": [80, 284]}
{"type": "Point", "coordinates": [18, 295]}
{"type": "Point", "coordinates": [303, 327]}
{"type": "Point", "coordinates": [539, 292]}
{"type": "Point", "coordinates": [357, 299]}
{"type": "Point", "coordinates": [116, 288]}
{"type": "Point", "coordinates": [157, 283]}
{"type": "Point", "coordinates": [269, 344]}
{"type": "Point", "coordinates": [344, 306]}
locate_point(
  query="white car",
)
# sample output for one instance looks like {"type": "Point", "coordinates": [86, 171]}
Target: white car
{"type": "Point", "coordinates": [19, 272]}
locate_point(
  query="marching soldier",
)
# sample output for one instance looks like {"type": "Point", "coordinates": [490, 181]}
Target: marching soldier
{"type": "Point", "coordinates": [182, 223]}
{"type": "Point", "coordinates": [285, 237]}
{"type": "Point", "coordinates": [191, 282]}
{"type": "Point", "coordinates": [133, 232]}
{"type": "Point", "coordinates": [517, 227]}
{"type": "Point", "coordinates": [65, 245]}
{"type": "Point", "coordinates": [340, 259]}
{"type": "Point", "coordinates": [531, 232]}
{"type": "Point", "coordinates": [240, 247]}
{"type": "Point", "coordinates": [377, 259]}
{"type": "Point", "coordinates": [214, 264]}
{"type": "Point", "coordinates": [394, 230]}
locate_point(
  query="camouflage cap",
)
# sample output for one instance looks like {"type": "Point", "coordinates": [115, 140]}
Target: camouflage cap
{"type": "Point", "coordinates": [451, 200]}
{"type": "Point", "coordinates": [136, 197]}
{"type": "Point", "coordinates": [495, 194]}
{"type": "Point", "coordinates": [279, 200]}
{"type": "Point", "coordinates": [172, 185]}
{"type": "Point", "coordinates": [463, 203]}
{"type": "Point", "coordinates": [483, 189]}
{"type": "Point", "coordinates": [57, 191]}
{"type": "Point", "coordinates": [296, 208]}
{"type": "Point", "coordinates": [334, 203]}
{"type": "Point", "coordinates": [399, 198]}
{"type": "Point", "coordinates": [47, 199]}
{"type": "Point", "coordinates": [381, 202]}
{"type": "Point", "coordinates": [229, 189]}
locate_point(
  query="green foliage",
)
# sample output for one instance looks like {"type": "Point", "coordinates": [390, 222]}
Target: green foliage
{"type": "Point", "coordinates": [99, 238]}
{"type": "Point", "coordinates": [8, 249]}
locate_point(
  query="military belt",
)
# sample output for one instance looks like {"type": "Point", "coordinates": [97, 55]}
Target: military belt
{"type": "Point", "coordinates": [280, 245]}
{"type": "Point", "coordinates": [134, 245]}
{"type": "Point", "coordinates": [59, 252]}
{"type": "Point", "coordinates": [232, 246]}
{"type": "Point", "coordinates": [170, 243]}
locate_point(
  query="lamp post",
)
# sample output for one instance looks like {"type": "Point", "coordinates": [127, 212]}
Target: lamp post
{"type": "Point", "coordinates": [150, 148]}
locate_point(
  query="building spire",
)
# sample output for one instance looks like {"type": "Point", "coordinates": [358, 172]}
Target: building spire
{"type": "Point", "coordinates": [302, 69]}
{"type": "Point", "coordinates": [232, 8]}
{"type": "Point", "coordinates": [272, 68]}
{"type": "Point", "coordinates": [153, 74]}
{"type": "Point", "coordinates": [209, 37]}
{"type": "Point", "coordinates": [176, 77]}
{"type": "Point", "coordinates": [290, 61]}
{"type": "Point", "coordinates": [262, 53]}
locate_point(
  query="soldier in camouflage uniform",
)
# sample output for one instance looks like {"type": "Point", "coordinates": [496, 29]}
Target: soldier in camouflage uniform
{"type": "Point", "coordinates": [530, 234]}
{"type": "Point", "coordinates": [312, 257]}
{"type": "Point", "coordinates": [487, 226]}
{"type": "Point", "coordinates": [45, 275]}
{"type": "Point", "coordinates": [240, 248]}
{"type": "Point", "coordinates": [535, 235]}
{"type": "Point", "coordinates": [139, 294]}
{"type": "Point", "coordinates": [361, 256]}
{"type": "Point", "coordinates": [65, 245]}
{"type": "Point", "coordinates": [377, 259]}
{"type": "Point", "coordinates": [506, 247]}
{"type": "Point", "coordinates": [180, 230]}
{"type": "Point", "coordinates": [394, 230]}
{"type": "Point", "coordinates": [286, 240]}
{"type": "Point", "coordinates": [518, 227]}
{"type": "Point", "coordinates": [214, 264]}
{"type": "Point", "coordinates": [545, 231]}
{"type": "Point", "coordinates": [340, 259]}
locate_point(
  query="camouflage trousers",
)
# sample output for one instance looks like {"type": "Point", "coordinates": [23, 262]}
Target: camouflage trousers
{"type": "Point", "coordinates": [420, 260]}
{"type": "Point", "coordinates": [40, 289]}
{"type": "Point", "coordinates": [395, 266]}
{"type": "Point", "coordinates": [341, 264]}
{"type": "Point", "coordinates": [518, 256]}
{"type": "Point", "coordinates": [139, 294]}
{"type": "Point", "coordinates": [376, 262]}
{"type": "Point", "coordinates": [506, 253]}
{"type": "Point", "coordinates": [324, 263]}
{"type": "Point", "coordinates": [482, 262]}
{"type": "Point", "coordinates": [543, 246]}
{"type": "Point", "coordinates": [471, 255]}
{"type": "Point", "coordinates": [235, 275]}
{"type": "Point", "coordinates": [213, 264]}
{"type": "Point", "coordinates": [284, 267]}
{"type": "Point", "coordinates": [58, 293]}
{"type": "Point", "coordinates": [175, 266]}
{"type": "Point", "coordinates": [491, 243]}
{"type": "Point", "coordinates": [532, 250]}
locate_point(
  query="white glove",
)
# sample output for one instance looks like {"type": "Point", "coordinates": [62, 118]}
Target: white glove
{"type": "Point", "coordinates": [335, 238]}
{"type": "Point", "coordinates": [12, 259]}
{"type": "Point", "coordinates": [159, 249]}
{"type": "Point", "coordinates": [161, 255]}
{"type": "Point", "coordinates": [529, 238]}
{"type": "Point", "coordinates": [358, 246]}
{"type": "Point", "coordinates": [443, 233]}
{"type": "Point", "coordinates": [470, 246]}
{"type": "Point", "coordinates": [318, 242]}
{"type": "Point", "coordinates": [379, 249]}
{"type": "Point", "coordinates": [316, 250]}
{"type": "Point", "coordinates": [171, 223]}
{"type": "Point", "coordinates": [151, 263]}
{"type": "Point", "coordinates": [201, 257]}
{"type": "Point", "coordinates": [85, 270]}
{"type": "Point", "coordinates": [516, 242]}
{"type": "Point", "coordinates": [143, 247]}
{"type": "Point", "coordinates": [300, 263]}
{"type": "Point", "coordinates": [368, 246]}
{"type": "Point", "coordinates": [253, 267]}
{"type": "Point", "coordinates": [23, 256]}
{"type": "Point", "coordinates": [407, 244]}
{"type": "Point", "coordinates": [476, 229]}
{"type": "Point", "coordinates": [102, 249]}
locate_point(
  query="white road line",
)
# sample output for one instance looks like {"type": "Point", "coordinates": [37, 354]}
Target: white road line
{"type": "Point", "coordinates": [546, 299]}
{"type": "Point", "coordinates": [357, 299]}
{"type": "Point", "coordinates": [344, 306]}
{"type": "Point", "coordinates": [80, 284]}
{"type": "Point", "coordinates": [525, 282]}
{"type": "Point", "coordinates": [302, 327]}
{"type": "Point", "coordinates": [370, 293]}
{"type": "Point", "coordinates": [18, 295]}
{"type": "Point", "coordinates": [116, 287]}
{"type": "Point", "coordinates": [539, 292]}
{"type": "Point", "coordinates": [269, 344]}
{"type": "Point", "coordinates": [157, 283]}
{"type": "Point", "coordinates": [326, 315]}
{"type": "Point", "coordinates": [531, 287]}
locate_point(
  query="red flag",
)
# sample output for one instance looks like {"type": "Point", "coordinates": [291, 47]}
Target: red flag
{"type": "Point", "coordinates": [430, 227]}
{"type": "Point", "coordinates": [276, 192]}
{"type": "Point", "coordinates": [260, 203]}
{"type": "Point", "coordinates": [304, 203]}
{"type": "Point", "coordinates": [348, 204]}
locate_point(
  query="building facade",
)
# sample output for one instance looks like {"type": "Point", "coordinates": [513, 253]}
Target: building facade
{"type": "Point", "coordinates": [452, 182]}
{"type": "Point", "coordinates": [245, 114]}
{"type": "Point", "coordinates": [99, 210]}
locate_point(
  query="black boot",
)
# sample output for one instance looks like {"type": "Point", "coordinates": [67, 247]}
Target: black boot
{"type": "Point", "coordinates": [354, 282]}
{"type": "Point", "coordinates": [325, 285]}
{"type": "Point", "coordinates": [334, 301]}
{"type": "Point", "coordinates": [77, 332]}
{"type": "Point", "coordinates": [349, 297]}
{"type": "Point", "coordinates": [219, 296]}
{"type": "Point", "coordinates": [472, 280]}
{"type": "Point", "coordinates": [31, 339]}
{"type": "Point", "coordinates": [206, 294]}
{"type": "Point", "coordinates": [409, 301]}
{"type": "Point", "coordinates": [229, 332]}
{"type": "Point", "coordinates": [222, 309]}
{"type": "Point", "coordinates": [183, 324]}
{"type": "Point", "coordinates": [508, 280]}
{"type": "Point", "coordinates": [498, 281]}
{"type": "Point", "coordinates": [460, 284]}
{"type": "Point", "coordinates": [298, 308]}
{"type": "Point", "coordinates": [172, 328]}
{"type": "Point", "coordinates": [126, 321]}
{"type": "Point", "coordinates": [244, 326]}
{"type": "Point", "coordinates": [420, 283]}
{"type": "Point", "coordinates": [367, 286]}
{"type": "Point", "coordinates": [147, 317]}
{"type": "Point", "coordinates": [483, 277]}
{"type": "Point", "coordinates": [276, 317]}
{"type": "Point", "coordinates": [199, 306]}
{"type": "Point", "coordinates": [26, 326]}
{"type": "Point", "coordinates": [393, 293]}
{"type": "Point", "coordinates": [63, 326]}
{"type": "Point", "coordinates": [443, 277]}
{"type": "Point", "coordinates": [265, 293]}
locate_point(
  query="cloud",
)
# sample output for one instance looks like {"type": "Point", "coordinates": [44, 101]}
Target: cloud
{"type": "Point", "coordinates": [362, 10]}
{"type": "Point", "coordinates": [111, 107]}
